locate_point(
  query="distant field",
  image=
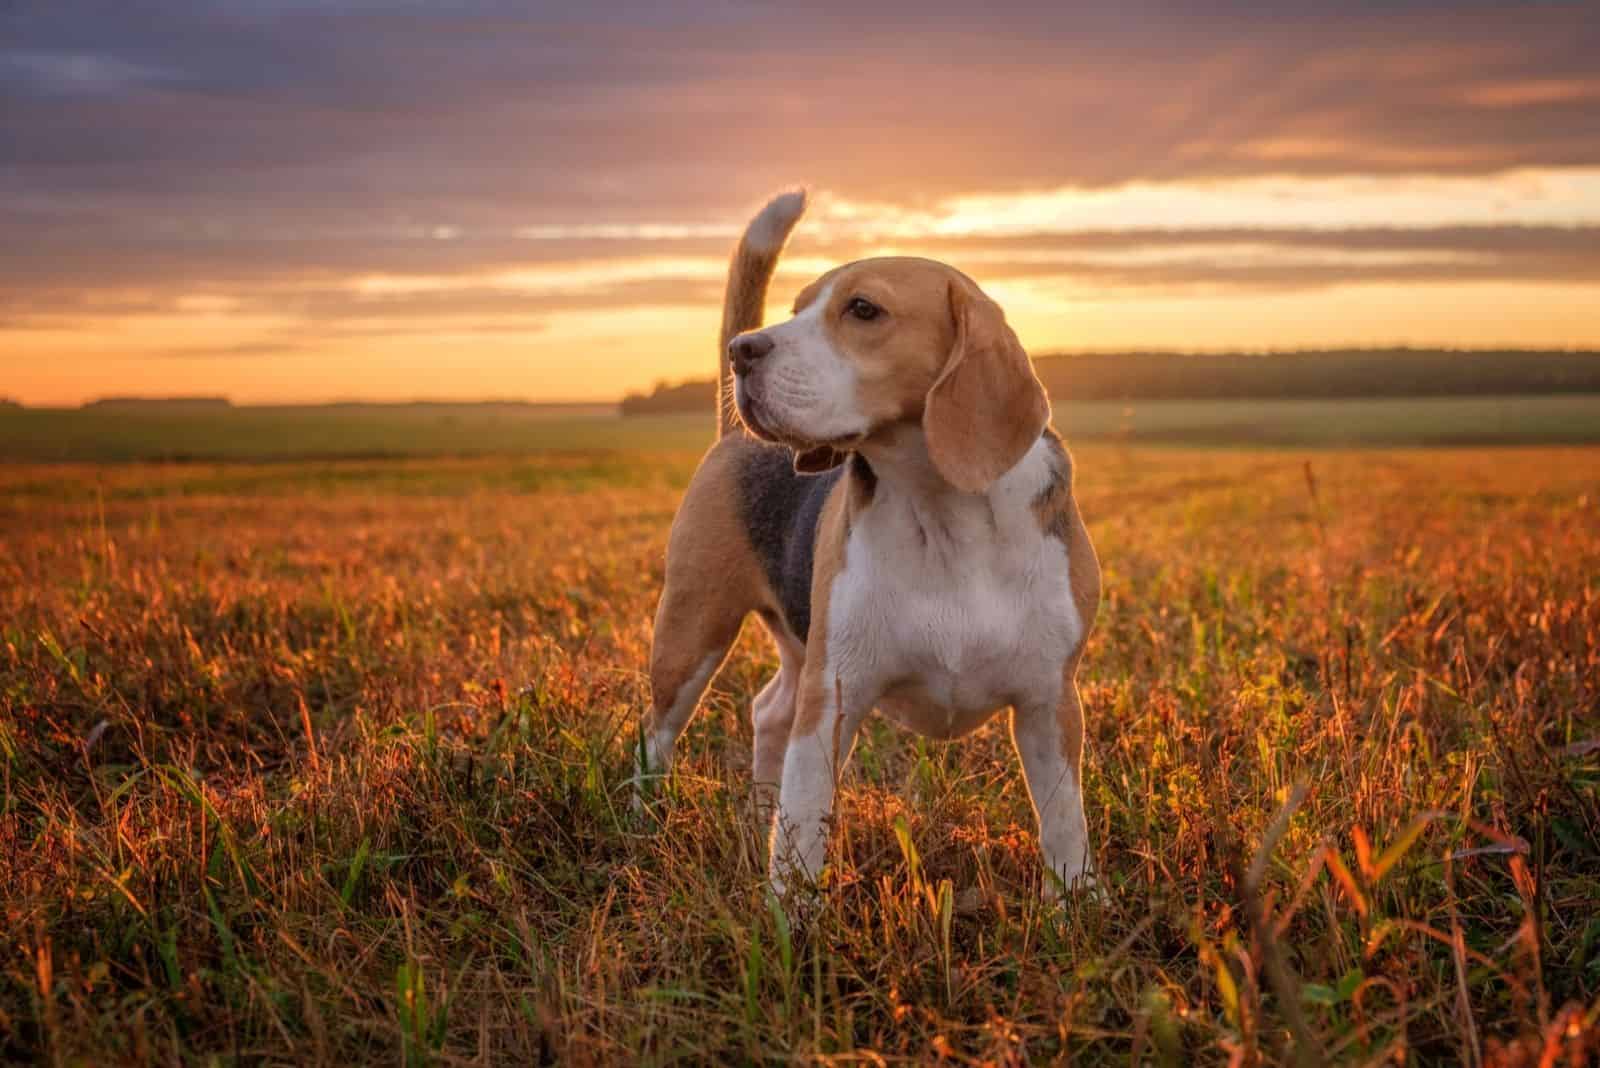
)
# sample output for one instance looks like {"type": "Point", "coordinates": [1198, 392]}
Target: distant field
{"type": "Point", "coordinates": [283, 433]}
{"type": "Point", "coordinates": [371, 431]}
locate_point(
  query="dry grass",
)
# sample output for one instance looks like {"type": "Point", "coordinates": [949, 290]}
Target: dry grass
{"type": "Point", "coordinates": [317, 767]}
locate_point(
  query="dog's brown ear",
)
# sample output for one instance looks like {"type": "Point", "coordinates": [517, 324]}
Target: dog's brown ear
{"type": "Point", "coordinates": [812, 461]}
{"type": "Point", "coordinates": [986, 408]}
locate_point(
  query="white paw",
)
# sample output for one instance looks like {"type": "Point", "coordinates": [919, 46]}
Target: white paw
{"type": "Point", "coordinates": [650, 767]}
{"type": "Point", "coordinates": [1084, 887]}
{"type": "Point", "coordinates": [797, 896]}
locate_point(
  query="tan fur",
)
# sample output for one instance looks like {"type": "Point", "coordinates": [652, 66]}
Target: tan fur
{"type": "Point", "coordinates": [1069, 714]}
{"type": "Point", "coordinates": [1085, 568]}
{"type": "Point", "coordinates": [696, 618]}
{"type": "Point", "coordinates": [987, 372]}
{"type": "Point", "coordinates": [941, 353]}
{"type": "Point", "coordinates": [833, 531]}
{"type": "Point", "coordinates": [1058, 516]}
{"type": "Point", "coordinates": [744, 304]}
{"type": "Point", "coordinates": [899, 356]}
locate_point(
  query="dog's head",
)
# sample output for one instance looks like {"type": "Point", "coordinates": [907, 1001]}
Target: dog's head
{"type": "Point", "coordinates": [884, 342]}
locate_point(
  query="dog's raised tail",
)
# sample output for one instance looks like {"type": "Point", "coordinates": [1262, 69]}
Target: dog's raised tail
{"type": "Point", "coordinates": [754, 260]}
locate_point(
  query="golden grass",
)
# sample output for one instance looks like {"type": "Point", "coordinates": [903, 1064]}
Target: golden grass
{"type": "Point", "coordinates": [321, 766]}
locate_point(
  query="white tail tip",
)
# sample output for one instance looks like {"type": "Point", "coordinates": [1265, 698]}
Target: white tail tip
{"type": "Point", "coordinates": [770, 228]}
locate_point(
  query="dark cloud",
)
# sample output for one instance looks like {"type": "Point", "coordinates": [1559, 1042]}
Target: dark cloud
{"type": "Point", "coordinates": [494, 112]}
{"type": "Point", "coordinates": [311, 336]}
{"type": "Point", "coordinates": [275, 270]}
{"type": "Point", "coordinates": [270, 149]}
{"type": "Point", "coordinates": [280, 266]}
{"type": "Point", "coordinates": [323, 307]}
{"type": "Point", "coordinates": [243, 349]}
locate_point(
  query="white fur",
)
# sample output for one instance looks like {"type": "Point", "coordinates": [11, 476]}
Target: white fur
{"type": "Point", "coordinates": [810, 775]}
{"type": "Point", "coordinates": [805, 389]}
{"type": "Point", "coordinates": [949, 606]}
{"type": "Point", "coordinates": [770, 228]}
{"type": "Point", "coordinates": [961, 594]}
{"type": "Point", "coordinates": [1056, 794]}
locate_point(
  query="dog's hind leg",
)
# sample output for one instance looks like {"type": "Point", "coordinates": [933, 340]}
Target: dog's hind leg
{"type": "Point", "coordinates": [692, 635]}
{"type": "Point", "coordinates": [712, 581]}
{"type": "Point", "coordinates": [772, 715]}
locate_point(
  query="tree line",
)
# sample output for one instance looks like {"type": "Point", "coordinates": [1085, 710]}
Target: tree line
{"type": "Point", "coordinates": [1128, 376]}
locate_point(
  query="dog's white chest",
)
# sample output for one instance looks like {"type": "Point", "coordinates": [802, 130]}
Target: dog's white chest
{"type": "Point", "coordinates": [953, 621]}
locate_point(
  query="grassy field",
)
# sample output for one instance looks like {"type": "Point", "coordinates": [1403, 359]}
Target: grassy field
{"type": "Point", "coordinates": [325, 763]}
{"type": "Point", "coordinates": [376, 431]}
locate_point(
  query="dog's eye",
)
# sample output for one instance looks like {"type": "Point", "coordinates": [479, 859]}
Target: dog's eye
{"type": "Point", "coordinates": [863, 309]}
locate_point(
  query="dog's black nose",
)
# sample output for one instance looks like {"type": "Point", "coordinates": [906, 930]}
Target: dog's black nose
{"type": "Point", "coordinates": [746, 349]}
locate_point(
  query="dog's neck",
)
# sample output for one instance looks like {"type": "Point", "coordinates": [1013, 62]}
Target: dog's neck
{"type": "Point", "coordinates": [900, 460]}
{"type": "Point", "coordinates": [908, 487]}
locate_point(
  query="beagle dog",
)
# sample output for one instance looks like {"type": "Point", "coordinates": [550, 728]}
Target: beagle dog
{"type": "Point", "coordinates": [899, 514]}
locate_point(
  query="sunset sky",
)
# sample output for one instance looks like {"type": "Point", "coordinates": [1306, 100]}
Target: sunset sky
{"type": "Point", "coordinates": [282, 200]}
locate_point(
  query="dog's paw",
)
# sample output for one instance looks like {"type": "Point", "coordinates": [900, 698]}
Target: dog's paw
{"type": "Point", "coordinates": [1082, 889]}
{"type": "Point", "coordinates": [650, 770]}
{"type": "Point", "coordinates": [794, 890]}
{"type": "Point", "coordinates": [644, 789]}
{"type": "Point", "coordinates": [799, 900]}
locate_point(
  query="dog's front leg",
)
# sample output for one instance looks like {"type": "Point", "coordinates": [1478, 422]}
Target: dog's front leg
{"type": "Point", "coordinates": [1048, 735]}
{"type": "Point", "coordinates": [825, 725]}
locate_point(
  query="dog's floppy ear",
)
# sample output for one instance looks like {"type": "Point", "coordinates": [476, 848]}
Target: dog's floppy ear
{"type": "Point", "coordinates": [986, 408]}
{"type": "Point", "coordinates": [812, 461]}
